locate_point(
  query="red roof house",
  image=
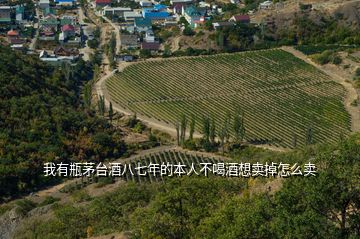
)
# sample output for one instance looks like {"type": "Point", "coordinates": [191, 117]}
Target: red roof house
{"type": "Point", "coordinates": [240, 18]}
{"type": "Point", "coordinates": [153, 46]}
{"type": "Point", "coordinates": [12, 33]}
{"type": "Point", "coordinates": [68, 28]}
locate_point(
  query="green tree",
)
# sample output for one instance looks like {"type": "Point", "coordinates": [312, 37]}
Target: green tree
{"type": "Point", "coordinates": [111, 111]}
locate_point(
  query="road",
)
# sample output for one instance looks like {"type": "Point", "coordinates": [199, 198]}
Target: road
{"type": "Point", "coordinates": [117, 34]}
{"type": "Point", "coordinates": [32, 45]}
{"type": "Point", "coordinates": [86, 51]}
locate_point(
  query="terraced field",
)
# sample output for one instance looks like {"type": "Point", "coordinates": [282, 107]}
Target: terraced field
{"type": "Point", "coordinates": [281, 95]}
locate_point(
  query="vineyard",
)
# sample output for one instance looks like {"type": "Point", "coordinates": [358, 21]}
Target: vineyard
{"type": "Point", "coordinates": [281, 96]}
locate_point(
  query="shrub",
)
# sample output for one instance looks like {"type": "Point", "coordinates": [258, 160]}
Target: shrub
{"type": "Point", "coordinates": [24, 206]}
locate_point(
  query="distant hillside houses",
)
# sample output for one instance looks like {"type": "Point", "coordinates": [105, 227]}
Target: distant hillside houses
{"type": "Point", "coordinates": [65, 2]}
{"type": "Point", "coordinates": [5, 14]}
{"type": "Point", "coordinates": [157, 12]}
{"type": "Point", "coordinates": [266, 5]}
{"type": "Point", "coordinates": [115, 11]}
{"type": "Point", "coordinates": [194, 15]}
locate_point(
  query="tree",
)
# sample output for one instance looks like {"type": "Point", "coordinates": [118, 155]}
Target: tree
{"type": "Point", "coordinates": [222, 134]}
{"type": "Point", "coordinates": [177, 128]}
{"type": "Point", "coordinates": [188, 31]}
{"type": "Point", "coordinates": [212, 134]}
{"type": "Point", "coordinates": [239, 127]}
{"type": "Point", "coordinates": [101, 105]}
{"type": "Point", "coordinates": [206, 129]}
{"type": "Point", "coordinates": [192, 127]}
{"type": "Point", "coordinates": [183, 125]}
{"type": "Point", "coordinates": [309, 136]}
{"type": "Point", "coordinates": [111, 112]}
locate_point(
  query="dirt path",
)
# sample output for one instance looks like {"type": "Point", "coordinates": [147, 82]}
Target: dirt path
{"type": "Point", "coordinates": [351, 95]}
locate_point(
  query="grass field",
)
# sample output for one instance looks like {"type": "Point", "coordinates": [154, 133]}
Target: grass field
{"type": "Point", "coordinates": [281, 96]}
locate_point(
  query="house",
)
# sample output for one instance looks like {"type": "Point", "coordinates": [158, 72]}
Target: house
{"type": "Point", "coordinates": [181, 1]}
{"type": "Point", "coordinates": [102, 3]}
{"type": "Point", "coordinates": [19, 13]}
{"type": "Point", "coordinates": [55, 60]}
{"type": "Point", "coordinates": [115, 11]}
{"type": "Point", "coordinates": [128, 41]}
{"type": "Point", "coordinates": [48, 11]}
{"type": "Point", "coordinates": [145, 3]}
{"type": "Point", "coordinates": [194, 15]}
{"type": "Point", "coordinates": [14, 38]}
{"type": "Point", "coordinates": [265, 5]}
{"type": "Point", "coordinates": [68, 30]}
{"type": "Point", "coordinates": [62, 51]}
{"type": "Point", "coordinates": [177, 8]}
{"type": "Point", "coordinates": [49, 21]}
{"type": "Point", "coordinates": [68, 3]}
{"type": "Point", "coordinates": [44, 4]}
{"type": "Point", "coordinates": [152, 46]}
{"type": "Point", "coordinates": [131, 16]}
{"type": "Point", "coordinates": [220, 25]}
{"type": "Point", "coordinates": [5, 14]}
{"type": "Point", "coordinates": [244, 19]}
{"type": "Point", "coordinates": [149, 36]}
{"type": "Point", "coordinates": [142, 24]}
{"type": "Point", "coordinates": [157, 12]}
{"type": "Point", "coordinates": [68, 20]}
{"type": "Point", "coordinates": [126, 58]}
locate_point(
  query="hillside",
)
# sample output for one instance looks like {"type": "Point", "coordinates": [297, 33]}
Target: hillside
{"type": "Point", "coordinates": [215, 206]}
{"type": "Point", "coordinates": [42, 119]}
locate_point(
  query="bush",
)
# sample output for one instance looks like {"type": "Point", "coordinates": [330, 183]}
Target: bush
{"type": "Point", "coordinates": [357, 72]}
{"type": "Point", "coordinates": [337, 60]}
{"type": "Point", "coordinates": [81, 196]}
{"type": "Point", "coordinates": [188, 31]}
{"type": "Point", "coordinates": [24, 206]}
{"type": "Point", "coordinates": [48, 200]}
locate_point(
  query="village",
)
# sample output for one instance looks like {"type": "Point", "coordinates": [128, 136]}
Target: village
{"type": "Point", "coordinates": [67, 30]}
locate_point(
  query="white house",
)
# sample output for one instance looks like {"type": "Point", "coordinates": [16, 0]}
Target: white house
{"type": "Point", "coordinates": [265, 5]}
{"type": "Point", "coordinates": [145, 3]}
{"type": "Point", "coordinates": [115, 11]}
{"type": "Point", "coordinates": [131, 16]}
{"type": "Point", "coordinates": [149, 36]}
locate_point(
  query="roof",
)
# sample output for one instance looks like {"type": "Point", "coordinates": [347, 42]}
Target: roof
{"type": "Point", "coordinates": [127, 39]}
{"type": "Point", "coordinates": [48, 10]}
{"type": "Point", "coordinates": [49, 21]}
{"type": "Point", "coordinates": [108, 8]}
{"type": "Point", "coordinates": [142, 22]}
{"type": "Point", "coordinates": [5, 8]}
{"type": "Point", "coordinates": [223, 24]}
{"type": "Point", "coordinates": [68, 27]}
{"type": "Point", "coordinates": [150, 45]}
{"type": "Point", "coordinates": [12, 33]}
{"type": "Point", "coordinates": [240, 18]}
{"type": "Point", "coordinates": [20, 9]}
{"type": "Point", "coordinates": [65, 21]}
{"type": "Point", "coordinates": [178, 5]}
{"type": "Point", "coordinates": [266, 3]}
{"type": "Point", "coordinates": [159, 7]}
{"type": "Point", "coordinates": [64, 0]}
{"type": "Point", "coordinates": [132, 15]}
{"type": "Point", "coordinates": [193, 11]}
{"type": "Point", "coordinates": [154, 14]}
{"type": "Point", "coordinates": [103, 1]}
